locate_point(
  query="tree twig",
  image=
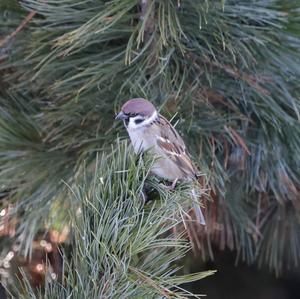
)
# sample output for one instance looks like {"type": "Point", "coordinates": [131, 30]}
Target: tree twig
{"type": "Point", "coordinates": [20, 27]}
{"type": "Point", "coordinates": [236, 73]}
{"type": "Point", "coordinates": [149, 25]}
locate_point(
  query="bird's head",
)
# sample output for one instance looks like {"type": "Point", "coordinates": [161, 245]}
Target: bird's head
{"type": "Point", "coordinates": [137, 113]}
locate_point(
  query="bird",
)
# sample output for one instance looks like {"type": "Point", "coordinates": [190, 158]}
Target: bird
{"type": "Point", "coordinates": [149, 131]}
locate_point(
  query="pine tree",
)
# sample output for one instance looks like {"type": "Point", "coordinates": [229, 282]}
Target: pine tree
{"type": "Point", "coordinates": [227, 71]}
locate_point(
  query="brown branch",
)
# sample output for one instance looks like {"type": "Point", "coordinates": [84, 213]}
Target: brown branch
{"type": "Point", "coordinates": [28, 18]}
{"type": "Point", "coordinates": [163, 291]}
{"type": "Point", "coordinates": [144, 7]}
{"type": "Point", "coordinates": [235, 73]}
{"type": "Point", "coordinates": [216, 98]}
{"type": "Point", "coordinates": [149, 25]}
{"type": "Point", "coordinates": [238, 139]}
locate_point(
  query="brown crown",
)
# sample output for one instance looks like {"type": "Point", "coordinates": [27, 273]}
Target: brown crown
{"type": "Point", "coordinates": [138, 106]}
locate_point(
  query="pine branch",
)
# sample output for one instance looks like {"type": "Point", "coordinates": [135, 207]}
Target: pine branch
{"type": "Point", "coordinates": [119, 247]}
{"type": "Point", "coordinates": [211, 64]}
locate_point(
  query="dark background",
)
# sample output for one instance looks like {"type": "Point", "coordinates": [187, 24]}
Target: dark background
{"type": "Point", "coordinates": [241, 280]}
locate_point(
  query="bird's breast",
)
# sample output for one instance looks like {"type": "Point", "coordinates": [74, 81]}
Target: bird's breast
{"type": "Point", "coordinates": [141, 140]}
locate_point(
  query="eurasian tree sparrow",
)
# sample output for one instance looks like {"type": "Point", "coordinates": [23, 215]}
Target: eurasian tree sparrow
{"type": "Point", "coordinates": [150, 131]}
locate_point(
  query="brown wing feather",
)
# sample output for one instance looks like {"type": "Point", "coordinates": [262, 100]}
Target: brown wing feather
{"type": "Point", "coordinates": [173, 146]}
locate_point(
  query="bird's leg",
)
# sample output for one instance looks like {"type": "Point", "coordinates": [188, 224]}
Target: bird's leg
{"type": "Point", "coordinates": [148, 193]}
{"type": "Point", "coordinates": [143, 197]}
{"type": "Point", "coordinates": [144, 193]}
{"type": "Point", "coordinates": [172, 186]}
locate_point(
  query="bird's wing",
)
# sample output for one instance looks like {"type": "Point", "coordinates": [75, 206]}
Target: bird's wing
{"type": "Point", "coordinates": [172, 145]}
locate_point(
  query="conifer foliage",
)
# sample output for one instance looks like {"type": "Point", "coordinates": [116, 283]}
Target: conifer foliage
{"type": "Point", "coordinates": [227, 71]}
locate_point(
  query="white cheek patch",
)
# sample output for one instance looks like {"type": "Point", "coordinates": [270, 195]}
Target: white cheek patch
{"type": "Point", "coordinates": [132, 125]}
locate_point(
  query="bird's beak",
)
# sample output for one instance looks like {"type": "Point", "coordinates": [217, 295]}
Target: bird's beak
{"type": "Point", "coordinates": [121, 116]}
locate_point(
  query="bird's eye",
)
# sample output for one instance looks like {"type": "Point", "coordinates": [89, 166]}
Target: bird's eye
{"type": "Point", "coordinates": [132, 114]}
{"type": "Point", "coordinates": [138, 121]}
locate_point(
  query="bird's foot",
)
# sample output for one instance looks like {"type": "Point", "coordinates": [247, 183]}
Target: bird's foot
{"type": "Point", "coordinates": [143, 197]}
{"type": "Point", "coordinates": [170, 187]}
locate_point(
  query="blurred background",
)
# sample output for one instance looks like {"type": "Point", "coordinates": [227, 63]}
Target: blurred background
{"type": "Point", "coordinates": [226, 73]}
{"type": "Point", "coordinates": [236, 280]}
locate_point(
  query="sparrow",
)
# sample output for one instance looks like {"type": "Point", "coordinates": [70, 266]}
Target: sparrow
{"type": "Point", "coordinates": [150, 132]}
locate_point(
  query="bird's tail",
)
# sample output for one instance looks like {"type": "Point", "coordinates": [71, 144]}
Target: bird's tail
{"type": "Point", "coordinates": [197, 208]}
